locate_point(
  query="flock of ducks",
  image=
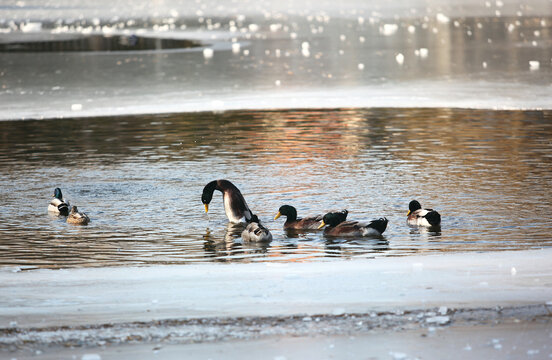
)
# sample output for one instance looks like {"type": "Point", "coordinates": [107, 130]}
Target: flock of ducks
{"type": "Point", "coordinates": [334, 222]}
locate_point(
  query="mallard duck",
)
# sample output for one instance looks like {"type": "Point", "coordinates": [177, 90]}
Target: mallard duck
{"type": "Point", "coordinates": [422, 217]}
{"type": "Point", "coordinates": [339, 227]}
{"type": "Point", "coordinates": [256, 232]}
{"type": "Point", "coordinates": [234, 203]}
{"type": "Point", "coordinates": [58, 205]}
{"type": "Point", "coordinates": [76, 217]}
{"type": "Point", "coordinates": [306, 223]}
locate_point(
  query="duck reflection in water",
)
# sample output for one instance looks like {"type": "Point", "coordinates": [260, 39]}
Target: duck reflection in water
{"type": "Point", "coordinates": [349, 248]}
{"type": "Point", "coordinates": [227, 246]}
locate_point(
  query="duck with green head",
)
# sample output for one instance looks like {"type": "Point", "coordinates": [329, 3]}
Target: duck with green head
{"type": "Point", "coordinates": [306, 223]}
{"type": "Point", "coordinates": [337, 226]}
{"type": "Point", "coordinates": [58, 205]}
{"type": "Point", "coordinates": [422, 217]}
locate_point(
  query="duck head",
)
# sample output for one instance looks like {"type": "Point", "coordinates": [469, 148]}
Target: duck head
{"type": "Point", "coordinates": [413, 206]}
{"type": "Point", "coordinates": [207, 194]}
{"type": "Point", "coordinates": [57, 194]}
{"type": "Point", "coordinates": [333, 219]}
{"type": "Point", "coordinates": [287, 210]}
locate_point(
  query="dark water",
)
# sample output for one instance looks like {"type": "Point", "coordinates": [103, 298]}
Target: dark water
{"type": "Point", "coordinates": [140, 179]}
{"type": "Point", "coordinates": [80, 42]}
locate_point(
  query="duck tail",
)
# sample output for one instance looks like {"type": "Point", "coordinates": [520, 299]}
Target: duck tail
{"type": "Point", "coordinates": [380, 224]}
{"type": "Point", "coordinates": [433, 218]}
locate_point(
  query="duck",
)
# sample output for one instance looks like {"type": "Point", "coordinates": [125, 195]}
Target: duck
{"type": "Point", "coordinates": [235, 206]}
{"type": "Point", "coordinates": [256, 232]}
{"type": "Point", "coordinates": [422, 217]}
{"type": "Point", "coordinates": [58, 205]}
{"type": "Point", "coordinates": [306, 223]}
{"type": "Point", "coordinates": [76, 217]}
{"type": "Point", "coordinates": [338, 227]}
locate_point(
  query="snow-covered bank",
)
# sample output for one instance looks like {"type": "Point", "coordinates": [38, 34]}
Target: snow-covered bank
{"type": "Point", "coordinates": [41, 298]}
{"type": "Point", "coordinates": [416, 94]}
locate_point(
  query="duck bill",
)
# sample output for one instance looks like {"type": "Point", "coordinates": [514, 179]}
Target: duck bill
{"type": "Point", "coordinates": [277, 215]}
{"type": "Point", "coordinates": [408, 213]}
{"type": "Point", "coordinates": [322, 225]}
{"type": "Point", "coordinates": [206, 207]}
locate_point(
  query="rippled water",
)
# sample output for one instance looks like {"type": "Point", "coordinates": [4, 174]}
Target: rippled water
{"type": "Point", "coordinates": [140, 180]}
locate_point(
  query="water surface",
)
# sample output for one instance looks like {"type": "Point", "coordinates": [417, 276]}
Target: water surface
{"type": "Point", "coordinates": [140, 180]}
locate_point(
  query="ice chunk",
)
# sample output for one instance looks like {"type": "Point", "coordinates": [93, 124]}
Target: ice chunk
{"type": "Point", "coordinates": [91, 357]}
{"type": "Point", "coordinates": [236, 48]}
{"type": "Point", "coordinates": [76, 107]}
{"type": "Point", "coordinates": [399, 58]}
{"type": "Point", "coordinates": [439, 320]}
{"type": "Point", "coordinates": [513, 271]}
{"type": "Point", "coordinates": [484, 64]}
{"type": "Point", "coordinates": [277, 83]}
{"type": "Point", "coordinates": [397, 355]}
{"type": "Point", "coordinates": [388, 29]}
{"type": "Point", "coordinates": [411, 29]}
{"type": "Point", "coordinates": [511, 27]}
{"type": "Point", "coordinates": [253, 27]}
{"type": "Point", "coordinates": [361, 66]}
{"type": "Point", "coordinates": [442, 18]}
{"type": "Point", "coordinates": [305, 49]}
{"type": "Point", "coordinates": [443, 310]}
{"type": "Point", "coordinates": [534, 65]}
{"type": "Point", "coordinates": [275, 27]}
{"type": "Point", "coordinates": [208, 53]}
{"type": "Point", "coordinates": [31, 27]}
{"type": "Point", "coordinates": [424, 52]}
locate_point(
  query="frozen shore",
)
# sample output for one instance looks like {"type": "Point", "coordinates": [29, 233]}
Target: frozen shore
{"type": "Point", "coordinates": [70, 297]}
{"type": "Point", "coordinates": [46, 309]}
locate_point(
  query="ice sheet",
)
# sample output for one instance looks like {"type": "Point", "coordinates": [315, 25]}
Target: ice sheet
{"type": "Point", "coordinates": [107, 295]}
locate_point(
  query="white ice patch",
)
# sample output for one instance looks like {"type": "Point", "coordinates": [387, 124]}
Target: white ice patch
{"type": "Point", "coordinates": [91, 357]}
{"type": "Point", "coordinates": [534, 65]}
{"type": "Point", "coordinates": [31, 27]}
{"type": "Point", "coordinates": [236, 48]}
{"type": "Point", "coordinates": [388, 29]}
{"type": "Point", "coordinates": [208, 53]}
{"type": "Point", "coordinates": [442, 18]}
{"type": "Point", "coordinates": [399, 58]}
{"type": "Point", "coordinates": [439, 320]}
